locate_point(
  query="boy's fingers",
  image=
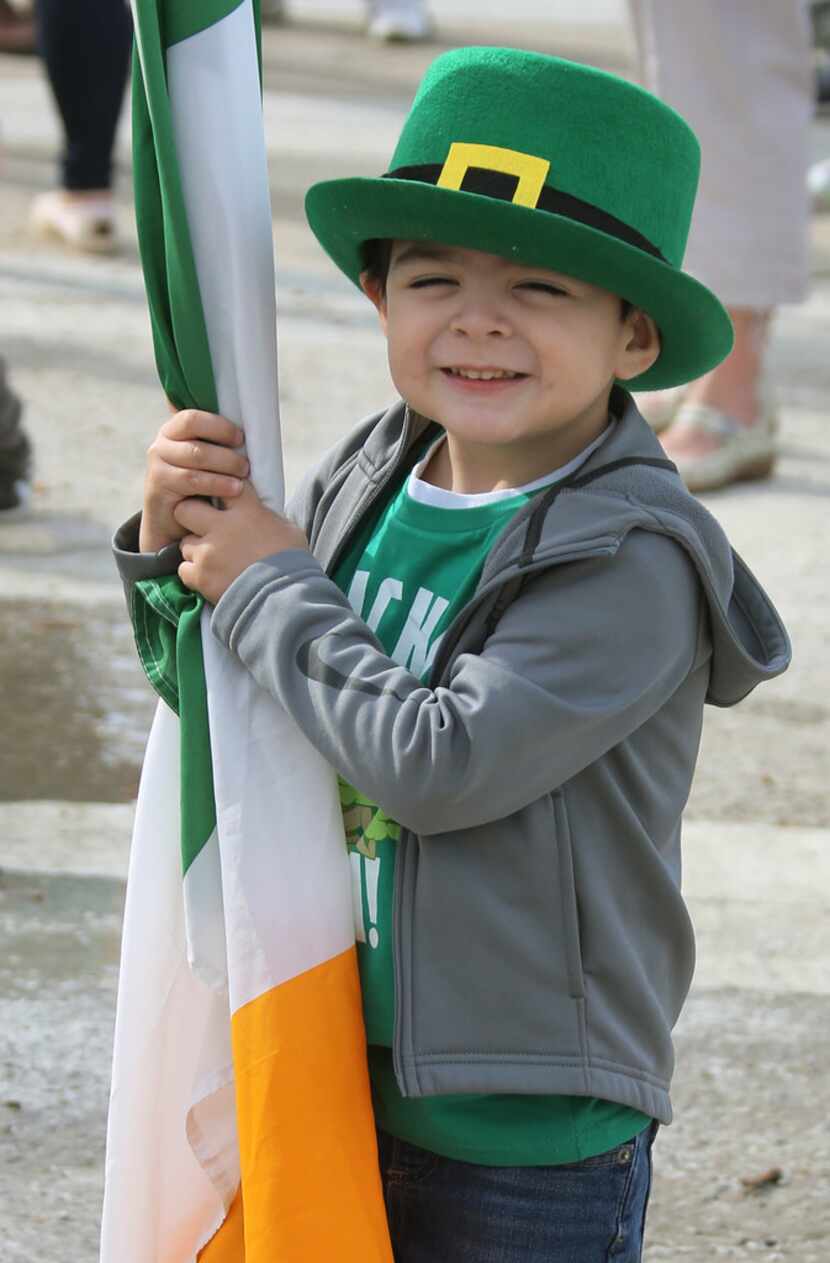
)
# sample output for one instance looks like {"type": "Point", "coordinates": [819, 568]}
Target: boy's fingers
{"type": "Point", "coordinates": [191, 423]}
{"type": "Point", "coordinates": [187, 574]}
{"type": "Point", "coordinates": [196, 516]}
{"type": "Point", "coordinates": [248, 492]}
{"type": "Point", "coordinates": [186, 546]}
{"type": "Point", "coordinates": [200, 454]}
{"type": "Point", "coordinates": [193, 482]}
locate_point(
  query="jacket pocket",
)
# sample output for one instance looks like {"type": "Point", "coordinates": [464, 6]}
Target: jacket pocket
{"type": "Point", "coordinates": [567, 897]}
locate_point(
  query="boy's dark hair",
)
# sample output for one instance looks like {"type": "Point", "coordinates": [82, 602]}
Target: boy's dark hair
{"type": "Point", "coordinates": [378, 252]}
{"type": "Point", "coordinates": [376, 256]}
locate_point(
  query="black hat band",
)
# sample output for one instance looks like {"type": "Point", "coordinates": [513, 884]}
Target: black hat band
{"type": "Point", "coordinates": [502, 185]}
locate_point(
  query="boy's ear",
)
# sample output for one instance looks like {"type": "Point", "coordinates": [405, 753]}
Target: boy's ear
{"type": "Point", "coordinates": [640, 345]}
{"type": "Point", "coordinates": [374, 291]}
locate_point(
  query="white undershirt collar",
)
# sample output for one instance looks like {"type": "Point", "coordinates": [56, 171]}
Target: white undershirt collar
{"type": "Point", "coordinates": [426, 493]}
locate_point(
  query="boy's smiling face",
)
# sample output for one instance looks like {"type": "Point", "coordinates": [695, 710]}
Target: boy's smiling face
{"type": "Point", "coordinates": [515, 362]}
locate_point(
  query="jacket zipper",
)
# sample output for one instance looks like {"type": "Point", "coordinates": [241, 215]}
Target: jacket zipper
{"type": "Point", "coordinates": [393, 468]}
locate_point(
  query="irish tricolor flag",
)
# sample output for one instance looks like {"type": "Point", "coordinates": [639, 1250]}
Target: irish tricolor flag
{"type": "Point", "coordinates": [240, 1123]}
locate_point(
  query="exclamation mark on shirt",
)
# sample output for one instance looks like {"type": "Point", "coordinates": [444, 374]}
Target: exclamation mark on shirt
{"type": "Point", "coordinates": [371, 871]}
{"type": "Point", "coordinates": [356, 865]}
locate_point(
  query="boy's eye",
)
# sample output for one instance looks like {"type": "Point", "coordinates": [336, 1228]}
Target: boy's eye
{"type": "Point", "coordinates": [543, 287]}
{"type": "Point", "coordinates": [421, 282]}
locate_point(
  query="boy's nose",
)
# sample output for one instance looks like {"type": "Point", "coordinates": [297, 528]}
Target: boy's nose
{"type": "Point", "coordinates": [479, 318]}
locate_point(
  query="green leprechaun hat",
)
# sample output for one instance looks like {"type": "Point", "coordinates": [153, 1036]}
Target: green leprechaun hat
{"type": "Point", "coordinates": [554, 164]}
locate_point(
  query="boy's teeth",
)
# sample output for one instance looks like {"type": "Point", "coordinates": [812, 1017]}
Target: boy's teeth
{"type": "Point", "coordinates": [485, 375]}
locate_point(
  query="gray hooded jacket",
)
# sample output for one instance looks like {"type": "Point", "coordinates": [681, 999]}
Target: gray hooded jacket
{"type": "Point", "coordinates": [542, 944]}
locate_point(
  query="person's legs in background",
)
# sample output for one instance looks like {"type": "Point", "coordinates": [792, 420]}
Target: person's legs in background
{"type": "Point", "coordinates": [388, 21]}
{"type": "Point", "coordinates": [741, 74]}
{"type": "Point", "coordinates": [86, 50]}
{"type": "Point", "coordinates": [17, 30]}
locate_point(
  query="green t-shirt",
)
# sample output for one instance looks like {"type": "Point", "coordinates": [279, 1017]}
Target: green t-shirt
{"type": "Point", "coordinates": [408, 575]}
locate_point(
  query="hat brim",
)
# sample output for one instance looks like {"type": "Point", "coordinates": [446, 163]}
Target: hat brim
{"type": "Point", "coordinates": [695, 329]}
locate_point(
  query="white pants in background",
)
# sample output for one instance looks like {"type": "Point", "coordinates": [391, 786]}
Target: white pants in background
{"type": "Point", "coordinates": [740, 72]}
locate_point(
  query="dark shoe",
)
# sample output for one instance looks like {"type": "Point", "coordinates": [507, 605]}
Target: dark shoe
{"type": "Point", "coordinates": [15, 451]}
{"type": "Point", "coordinates": [823, 83]}
{"type": "Point", "coordinates": [15, 488]}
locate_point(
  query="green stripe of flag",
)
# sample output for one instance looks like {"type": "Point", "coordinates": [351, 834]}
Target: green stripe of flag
{"type": "Point", "coordinates": [176, 314]}
{"type": "Point", "coordinates": [167, 621]}
{"type": "Point", "coordinates": [183, 18]}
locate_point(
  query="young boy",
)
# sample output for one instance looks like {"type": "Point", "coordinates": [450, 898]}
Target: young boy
{"type": "Point", "coordinates": [498, 614]}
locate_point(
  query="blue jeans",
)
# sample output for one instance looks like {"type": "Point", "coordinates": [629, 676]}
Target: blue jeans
{"type": "Point", "coordinates": [444, 1211]}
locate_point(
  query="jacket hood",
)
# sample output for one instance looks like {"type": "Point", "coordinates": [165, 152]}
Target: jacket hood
{"type": "Point", "coordinates": [629, 484]}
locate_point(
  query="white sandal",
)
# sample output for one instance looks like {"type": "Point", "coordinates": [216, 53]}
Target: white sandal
{"type": "Point", "coordinates": [399, 22]}
{"type": "Point", "coordinates": [744, 451]}
{"type": "Point", "coordinates": [88, 226]}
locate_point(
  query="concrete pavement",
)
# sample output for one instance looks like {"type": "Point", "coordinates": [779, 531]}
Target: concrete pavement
{"type": "Point", "coordinates": [753, 1042]}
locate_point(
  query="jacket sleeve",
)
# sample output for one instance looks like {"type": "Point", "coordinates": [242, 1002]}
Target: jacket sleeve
{"type": "Point", "coordinates": [583, 657]}
{"type": "Point", "coordinates": [134, 565]}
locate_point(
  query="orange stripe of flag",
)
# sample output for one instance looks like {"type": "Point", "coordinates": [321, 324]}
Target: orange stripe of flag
{"type": "Point", "coordinates": [308, 1150]}
{"type": "Point", "coordinates": [228, 1244]}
